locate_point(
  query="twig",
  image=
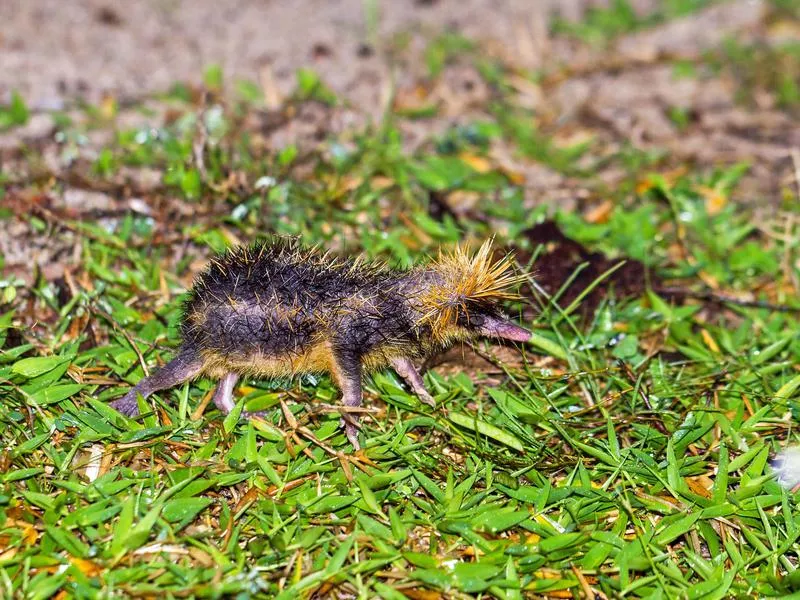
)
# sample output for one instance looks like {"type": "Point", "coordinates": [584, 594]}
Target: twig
{"type": "Point", "coordinates": [124, 334]}
{"type": "Point", "coordinates": [296, 428]}
{"type": "Point", "coordinates": [710, 296]}
{"type": "Point", "coordinates": [643, 393]}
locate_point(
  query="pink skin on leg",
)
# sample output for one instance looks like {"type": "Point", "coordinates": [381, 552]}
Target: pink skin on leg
{"type": "Point", "coordinates": [224, 401]}
{"type": "Point", "coordinates": [406, 369]}
{"type": "Point", "coordinates": [346, 371]}
{"type": "Point", "coordinates": [223, 396]}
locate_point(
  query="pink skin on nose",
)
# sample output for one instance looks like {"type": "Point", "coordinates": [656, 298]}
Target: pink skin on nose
{"type": "Point", "coordinates": [500, 328]}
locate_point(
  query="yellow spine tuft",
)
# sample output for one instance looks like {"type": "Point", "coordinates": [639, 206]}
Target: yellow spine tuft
{"type": "Point", "coordinates": [467, 281]}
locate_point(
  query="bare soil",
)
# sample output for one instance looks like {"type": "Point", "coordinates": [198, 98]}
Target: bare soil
{"type": "Point", "coordinates": [54, 50]}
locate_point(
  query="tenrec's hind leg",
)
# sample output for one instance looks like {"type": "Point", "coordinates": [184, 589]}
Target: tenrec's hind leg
{"type": "Point", "coordinates": [347, 373]}
{"type": "Point", "coordinates": [186, 365]}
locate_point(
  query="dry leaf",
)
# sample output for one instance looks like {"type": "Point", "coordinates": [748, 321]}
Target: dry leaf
{"type": "Point", "coordinates": [86, 567]}
{"type": "Point", "coordinates": [599, 213]}
{"type": "Point", "coordinates": [715, 199]}
{"type": "Point", "coordinates": [421, 594]}
{"type": "Point", "coordinates": [700, 485]}
{"type": "Point", "coordinates": [478, 163]}
{"type": "Point", "coordinates": [380, 182]}
{"type": "Point", "coordinates": [709, 341]}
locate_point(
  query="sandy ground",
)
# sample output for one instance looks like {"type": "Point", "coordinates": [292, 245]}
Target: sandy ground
{"type": "Point", "coordinates": [56, 49]}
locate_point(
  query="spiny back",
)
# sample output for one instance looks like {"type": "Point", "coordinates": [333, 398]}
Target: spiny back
{"type": "Point", "coordinates": [286, 269]}
{"type": "Point", "coordinates": [276, 296]}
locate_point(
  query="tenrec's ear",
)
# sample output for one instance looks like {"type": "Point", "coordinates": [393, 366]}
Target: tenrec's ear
{"type": "Point", "coordinates": [504, 329]}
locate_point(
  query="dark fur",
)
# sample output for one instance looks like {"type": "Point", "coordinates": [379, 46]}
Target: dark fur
{"type": "Point", "coordinates": [247, 293]}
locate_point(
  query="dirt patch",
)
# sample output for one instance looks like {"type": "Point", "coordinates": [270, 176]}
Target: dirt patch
{"type": "Point", "coordinates": [55, 50]}
{"type": "Point", "coordinates": [623, 277]}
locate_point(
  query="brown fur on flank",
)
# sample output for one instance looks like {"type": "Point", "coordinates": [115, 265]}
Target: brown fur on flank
{"type": "Point", "coordinates": [278, 309]}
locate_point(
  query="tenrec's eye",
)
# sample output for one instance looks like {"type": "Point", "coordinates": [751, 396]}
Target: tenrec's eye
{"type": "Point", "coordinates": [473, 320]}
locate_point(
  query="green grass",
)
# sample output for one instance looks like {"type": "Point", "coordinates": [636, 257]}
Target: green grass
{"type": "Point", "coordinates": [775, 69]}
{"type": "Point", "coordinates": [630, 459]}
{"type": "Point", "coordinates": [602, 25]}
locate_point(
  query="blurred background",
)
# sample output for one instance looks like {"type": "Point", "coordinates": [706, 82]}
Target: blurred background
{"type": "Point", "coordinates": [639, 70]}
{"type": "Point", "coordinates": [571, 102]}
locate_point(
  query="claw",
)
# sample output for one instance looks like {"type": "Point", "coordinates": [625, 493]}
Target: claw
{"type": "Point", "coordinates": [406, 369]}
{"type": "Point", "coordinates": [426, 398]}
{"type": "Point", "coordinates": [351, 431]}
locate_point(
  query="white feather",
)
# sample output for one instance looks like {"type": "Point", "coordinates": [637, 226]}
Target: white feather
{"type": "Point", "coordinates": [786, 465]}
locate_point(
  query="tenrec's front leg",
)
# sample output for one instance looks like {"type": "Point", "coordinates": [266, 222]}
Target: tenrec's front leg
{"type": "Point", "coordinates": [406, 369]}
{"type": "Point", "coordinates": [183, 367]}
{"type": "Point", "coordinates": [346, 369]}
{"type": "Point", "coordinates": [223, 395]}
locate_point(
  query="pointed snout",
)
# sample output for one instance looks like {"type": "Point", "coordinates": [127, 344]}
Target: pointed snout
{"type": "Point", "coordinates": [504, 329]}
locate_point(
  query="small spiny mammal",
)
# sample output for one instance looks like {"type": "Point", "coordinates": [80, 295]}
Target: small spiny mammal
{"type": "Point", "coordinates": [278, 309]}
